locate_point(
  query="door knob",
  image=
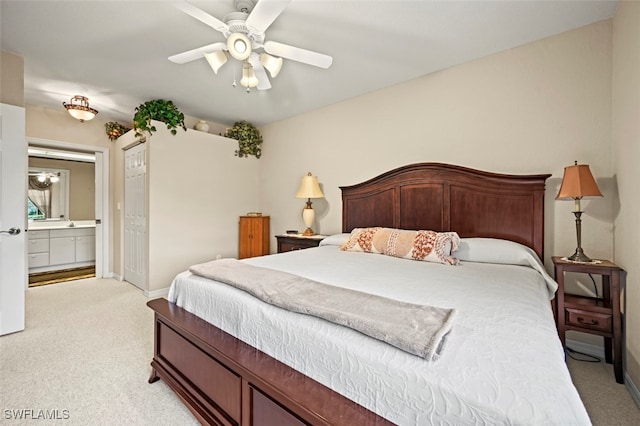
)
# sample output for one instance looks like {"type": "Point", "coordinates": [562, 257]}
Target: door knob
{"type": "Point", "coordinates": [11, 231]}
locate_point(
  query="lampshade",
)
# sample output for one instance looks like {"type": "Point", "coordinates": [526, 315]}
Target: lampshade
{"type": "Point", "coordinates": [249, 78]}
{"type": "Point", "coordinates": [578, 182]}
{"type": "Point", "coordinates": [79, 108]}
{"type": "Point", "coordinates": [216, 59]}
{"type": "Point", "coordinates": [271, 63]}
{"type": "Point", "coordinates": [239, 46]}
{"type": "Point", "coordinates": [309, 187]}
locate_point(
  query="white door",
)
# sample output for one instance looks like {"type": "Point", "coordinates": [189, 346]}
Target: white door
{"type": "Point", "coordinates": [13, 218]}
{"type": "Point", "coordinates": [98, 239]}
{"type": "Point", "coordinates": [135, 238]}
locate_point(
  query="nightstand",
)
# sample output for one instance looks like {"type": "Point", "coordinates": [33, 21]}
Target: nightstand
{"type": "Point", "coordinates": [600, 316]}
{"type": "Point", "coordinates": [297, 242]}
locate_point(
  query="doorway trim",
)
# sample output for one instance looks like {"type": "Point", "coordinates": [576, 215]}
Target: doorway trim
{"type": "Point", "coordinates": [103, 253]}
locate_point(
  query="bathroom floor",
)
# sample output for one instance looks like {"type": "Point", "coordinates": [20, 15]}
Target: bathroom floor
{"type": "Point", "coordinates": [52, 277]}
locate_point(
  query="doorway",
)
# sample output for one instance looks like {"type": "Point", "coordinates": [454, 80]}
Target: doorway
{"type": "Point", "coordinates": [101, 198]}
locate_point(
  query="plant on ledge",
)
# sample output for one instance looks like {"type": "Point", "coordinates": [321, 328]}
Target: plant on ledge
{"type": "Point", "coordinates": [160, 110]}
{"type": "Point", "coordinates": [115, 130]}
{"type": "Point", "coordinates": [248, 137]}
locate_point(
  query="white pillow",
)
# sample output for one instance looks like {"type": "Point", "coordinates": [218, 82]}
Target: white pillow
{"type": "Point", "coordinates": [493, 250]}
{"type": "Point", "coordinates": [335, 240]}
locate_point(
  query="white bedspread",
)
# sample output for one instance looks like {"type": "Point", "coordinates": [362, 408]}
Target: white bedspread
{"type": "Point", "coordinates": [503, 365]}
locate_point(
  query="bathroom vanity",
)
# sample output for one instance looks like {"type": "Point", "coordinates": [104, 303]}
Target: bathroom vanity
{"type": "Point", "coordinates": [61, 245]}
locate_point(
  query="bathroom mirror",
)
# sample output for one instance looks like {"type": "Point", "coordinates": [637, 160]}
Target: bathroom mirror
{"type": "Point", "coordinates": [48, 194]}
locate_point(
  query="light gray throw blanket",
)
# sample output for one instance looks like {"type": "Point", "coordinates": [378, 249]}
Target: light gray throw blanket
{"type": "Point", "coordinates": [417, 329]}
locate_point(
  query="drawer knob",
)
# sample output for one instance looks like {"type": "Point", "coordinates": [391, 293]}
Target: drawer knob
{"type": "Point", "coordinates": [588, 323]}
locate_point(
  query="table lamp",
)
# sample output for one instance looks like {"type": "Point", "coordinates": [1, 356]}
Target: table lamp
{"type": "Point", "coordinates": [309, 188]}
{"type": "Point", "coordinates": [577, 183]}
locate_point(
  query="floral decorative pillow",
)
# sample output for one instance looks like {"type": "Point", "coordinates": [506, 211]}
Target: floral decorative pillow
{"type": "Point", "coordinates": [428, 246]}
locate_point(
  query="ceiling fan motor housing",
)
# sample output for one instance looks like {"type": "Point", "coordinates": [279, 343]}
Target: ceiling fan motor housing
{"type": "Point", "coordinates": [245, 6]}
{"type": "Point", "coordinates": [236, 21]}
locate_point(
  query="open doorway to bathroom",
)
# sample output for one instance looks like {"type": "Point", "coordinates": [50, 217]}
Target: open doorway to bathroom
{"type": "Point", "coordinates": [68, 223]}
{"type": "Point", "coordinates": [61, 243]}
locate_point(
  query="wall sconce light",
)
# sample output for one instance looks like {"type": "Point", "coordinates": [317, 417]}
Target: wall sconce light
{"type": "Point", "coordinates": [309, 188]}
{"type": "Point", "coordinates": [577, 183]}
{"type": "Point", "coordinates": [79, 108]}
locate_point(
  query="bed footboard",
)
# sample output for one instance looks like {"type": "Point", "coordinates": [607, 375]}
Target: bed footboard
{"type": "Point", "coordinates": [224, 381]}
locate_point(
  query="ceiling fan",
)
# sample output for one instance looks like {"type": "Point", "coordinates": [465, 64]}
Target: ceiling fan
{"type": "Point", "coordinates": [245, 34]}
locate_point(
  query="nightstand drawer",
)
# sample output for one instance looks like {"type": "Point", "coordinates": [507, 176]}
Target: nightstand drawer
{"type": "Point", "coordinates": [297, 245]}
{"type": "Point", "coordinates": [588, 320]}
{"type": "Point", "coordinates": [290, 243]}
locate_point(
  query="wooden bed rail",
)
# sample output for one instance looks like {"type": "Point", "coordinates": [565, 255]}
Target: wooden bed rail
{"type": "Point", "coordinates": [224, 381]}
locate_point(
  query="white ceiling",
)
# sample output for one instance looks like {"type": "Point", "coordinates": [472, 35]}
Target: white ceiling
{"type": "Point", "coordinates": [115, 52]}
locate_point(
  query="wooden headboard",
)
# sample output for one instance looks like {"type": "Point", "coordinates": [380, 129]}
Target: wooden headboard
{"type": "Point", "coordinates": [444, 197]}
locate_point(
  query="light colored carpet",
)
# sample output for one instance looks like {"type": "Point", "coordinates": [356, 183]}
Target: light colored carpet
{"type": "Point", "coordinates": [608, 403]}
{"type": "Point", "coordinates": [87, 348]}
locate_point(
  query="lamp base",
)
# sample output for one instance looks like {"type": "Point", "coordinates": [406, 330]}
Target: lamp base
{"type": "Point", "coordinates": [308, 232]}
{"type": "Point", "coordinates": [579, 256]}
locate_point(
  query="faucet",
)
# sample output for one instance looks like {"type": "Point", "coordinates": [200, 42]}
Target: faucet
{"type": "Point", "coordinates": [71, 224]}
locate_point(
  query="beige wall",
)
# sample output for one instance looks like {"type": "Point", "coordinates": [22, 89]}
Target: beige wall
{"type": "Point", "coordinates": [197, 191]}
{"type": "Point", "coordinates": [532, 109]}
{"type": "Point", "coordinates": [626, 152]}
{"type": "Point", "coordinates": [11, 79]}
{"type": "Point", "coordinates": [82, 188]}
{"type": "Point", "coordinates": [58, 125]}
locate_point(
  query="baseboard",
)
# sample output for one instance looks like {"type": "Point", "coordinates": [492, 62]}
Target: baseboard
{"type": "Point", "coordinates": [633, 390]}
{"type": "Point", "coordinates": [586, 348]}
{"type": "Point", "coordinates": [116, 276]}
{"type": "Point", "coordinates": [156, 293]}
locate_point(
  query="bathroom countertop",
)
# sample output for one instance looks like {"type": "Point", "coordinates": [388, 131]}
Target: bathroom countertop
{"type": "Point", "coordinates": [63, 224]}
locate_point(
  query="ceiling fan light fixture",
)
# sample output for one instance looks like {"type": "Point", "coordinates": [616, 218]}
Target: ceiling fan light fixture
{"type": "Point", "coordinates": [249, 78]}
{"type": "Point", "coordinates": [216, 59]}
{"type": "Point", "coordinates": [239, 46]}
{"type": "Point", "coordinates": [79, 108]}
{"type": "Point", "coordinates": [271, 63]}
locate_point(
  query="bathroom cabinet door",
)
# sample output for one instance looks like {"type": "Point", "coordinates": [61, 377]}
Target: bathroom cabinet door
{"type": "Point", "coordinates": [86, 248]}
{"type": "Point", "coordinates": [62, 250]}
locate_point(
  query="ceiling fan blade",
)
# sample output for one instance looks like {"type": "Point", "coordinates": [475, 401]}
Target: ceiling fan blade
{"type": "Point", "coordinates": [202, 16]}
{"type": "Point", "coordinates": [259, 71]}
{"type": "Point", "coordinates": [192, 55]}
{"type": "Point", "coordinates": [297, 54]}
{"type": "Point", "coordinates": [264, 13]}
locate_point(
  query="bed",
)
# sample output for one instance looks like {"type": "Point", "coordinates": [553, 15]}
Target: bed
{"type": "Point", "coordinates": [233, 359]}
